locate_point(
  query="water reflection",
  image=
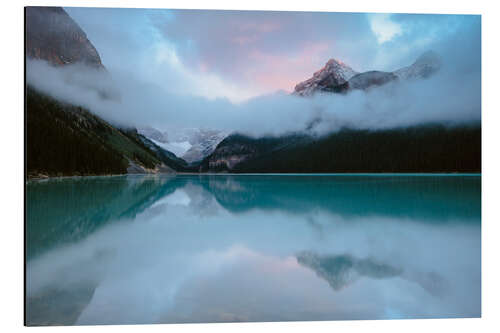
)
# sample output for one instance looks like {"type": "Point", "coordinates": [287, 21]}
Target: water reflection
{"type": "Point", "coordinates": [437, 198]}
{"type": "Point", "coordinates": [160, 249]}
{"type": "Point", "coordinates": [341, 270]}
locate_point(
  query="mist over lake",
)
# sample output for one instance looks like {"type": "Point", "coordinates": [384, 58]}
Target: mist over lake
{"type": "Point", "coordinates": [219, 248]}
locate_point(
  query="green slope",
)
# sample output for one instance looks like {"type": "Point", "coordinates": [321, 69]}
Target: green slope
{"type": "Point", "coordinates": [67, 140]}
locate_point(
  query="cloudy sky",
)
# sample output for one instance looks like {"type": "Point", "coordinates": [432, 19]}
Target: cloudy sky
{"type": "Point", "coordinates": [242, 54]}
{"type": "Point", "coordinates": [232, 70]}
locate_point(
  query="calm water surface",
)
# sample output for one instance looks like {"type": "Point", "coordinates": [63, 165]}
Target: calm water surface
{"type": "Point", "coordinates": [172, 249]}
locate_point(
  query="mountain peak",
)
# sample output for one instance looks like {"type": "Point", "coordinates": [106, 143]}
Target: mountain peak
{"type": "Point", "coordinates": [334, 73]}
{"type": "Point", "coordinates": [333, 62]}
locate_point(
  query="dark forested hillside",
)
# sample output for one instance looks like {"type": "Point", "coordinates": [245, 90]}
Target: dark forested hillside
{"type": "Point", "coordinates": [64, 139]}
{"type": "Point", "coordinates": [429, 148]}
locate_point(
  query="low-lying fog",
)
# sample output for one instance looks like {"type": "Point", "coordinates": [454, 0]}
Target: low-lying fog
{"type": "Point", "coordinates": [444, 98]}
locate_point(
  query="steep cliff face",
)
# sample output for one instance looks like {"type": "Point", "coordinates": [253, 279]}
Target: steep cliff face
{"type": "Point", "coordinates": [52, 35]}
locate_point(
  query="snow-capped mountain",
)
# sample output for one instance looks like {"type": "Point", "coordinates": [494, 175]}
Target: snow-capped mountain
{"type": "Point", "coordinates": [427, 64]}
{"type": "Point", "coordinates": [337, 77]}
{"type": "Point", "coordinates": [191, 144]}
{"type": "Point", "coordinates": [203, 143]}
{"type": "Point", "coordinates": [333, 74]}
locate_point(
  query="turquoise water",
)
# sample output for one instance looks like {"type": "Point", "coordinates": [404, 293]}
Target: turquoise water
{"type": "Point", "coordinates": [202, 248]}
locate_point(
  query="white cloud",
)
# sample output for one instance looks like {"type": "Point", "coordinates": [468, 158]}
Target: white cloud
{"type": "Point", "coordinates": [128, 41]}
{"type": "Point", "coordinates": [189, 81]}
{"type": "Point", "coordinates": [383, 27]}
{"type": "Point", "coordinates": [148, 104]}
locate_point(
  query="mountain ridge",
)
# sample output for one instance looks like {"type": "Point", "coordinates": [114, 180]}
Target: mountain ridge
{"type": "Point", "coordinates": [338, 77]}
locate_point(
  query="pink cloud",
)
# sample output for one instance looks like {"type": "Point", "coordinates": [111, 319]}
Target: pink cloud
{"type": "Point", "coordinates": [263, 51]}
{"type": "Point", "coordinates": [277, 72]}
{"type": "Point", "coordinates": [245, 40]}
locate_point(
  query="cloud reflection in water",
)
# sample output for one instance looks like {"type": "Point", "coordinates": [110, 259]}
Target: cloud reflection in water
{"type": "Point", "coordinates": [254, 248]}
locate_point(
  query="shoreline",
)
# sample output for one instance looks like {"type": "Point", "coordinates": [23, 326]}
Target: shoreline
{"type": "Point", "coordinates": [174, 174]}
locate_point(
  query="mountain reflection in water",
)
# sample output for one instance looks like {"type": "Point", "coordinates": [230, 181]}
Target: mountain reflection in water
{"type": "Point", "coordinates": [202, 248]}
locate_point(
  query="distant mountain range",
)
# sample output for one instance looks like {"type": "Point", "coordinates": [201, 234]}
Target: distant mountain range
{"type": "Point", "coordinates": [423, 148]}
{"type": "Point", "coordinates": [65, 139]}
{"type": "Point", "coordinates": [190, 144]}
{"type": "Point", "coordinates": [338, 77]}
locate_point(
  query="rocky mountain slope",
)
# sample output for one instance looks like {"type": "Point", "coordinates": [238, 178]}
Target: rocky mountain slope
{"type": "Point", "coordinates": [335, 73]}
{"type": "Point", "coordinates": [52, 35]}
{"type": "Point", "coordinates": [237, 149]}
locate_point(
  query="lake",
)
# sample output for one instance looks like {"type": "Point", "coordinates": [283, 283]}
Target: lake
{"type": "Point", "coordinates": [223, 248]}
